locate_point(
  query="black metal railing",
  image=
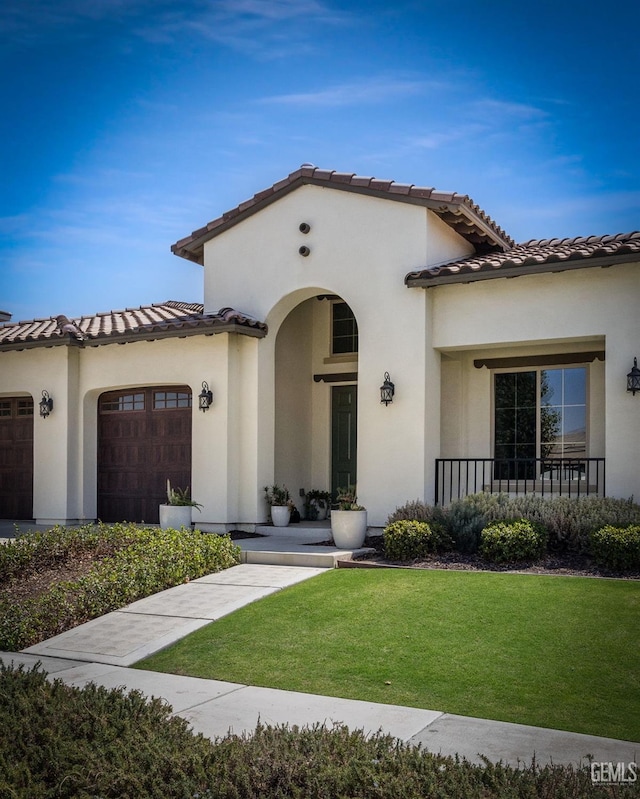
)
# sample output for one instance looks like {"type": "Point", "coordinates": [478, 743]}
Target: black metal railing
{"type": "Point", "coordinates": [567, 477]}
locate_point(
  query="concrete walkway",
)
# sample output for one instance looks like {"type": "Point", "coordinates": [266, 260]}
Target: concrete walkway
{"type": "Point", "coordinates": [101, 651]}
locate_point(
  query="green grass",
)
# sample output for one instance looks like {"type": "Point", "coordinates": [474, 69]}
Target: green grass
{"type": "Point", "coordinates": [559, 652]}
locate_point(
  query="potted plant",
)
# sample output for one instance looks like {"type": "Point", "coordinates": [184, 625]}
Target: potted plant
{"type": "Point", "coordinates": [279, 502]}
{"type": "Point", "coordinates": [176, 513]}
{"type": "Point", "coordinates": [316, 505]}
{"type": "Point", "coordinates": [349, 520]}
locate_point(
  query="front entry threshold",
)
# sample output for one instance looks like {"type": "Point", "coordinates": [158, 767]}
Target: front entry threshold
{"type": "Point", "coordinates": [303, 544]}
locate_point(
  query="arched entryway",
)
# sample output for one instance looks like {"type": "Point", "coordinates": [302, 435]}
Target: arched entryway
{"type": "Point", "coordinates": [316, 374]}
{"type": "Point", "coordinates": [144, 439]}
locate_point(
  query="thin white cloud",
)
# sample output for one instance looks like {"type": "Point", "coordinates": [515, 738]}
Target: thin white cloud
{"type": "Point", "coordinates": [348, 94]}
{"type": "Point", "coordinates": [503, 109]}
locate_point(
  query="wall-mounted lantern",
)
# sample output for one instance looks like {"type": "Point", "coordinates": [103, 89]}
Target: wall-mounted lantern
{"type": "Point", "coordinates": [205, 398]}
{"type": "Point", "coordinates": [633, 378]}
{"type": "Point", "coordinates": [46, 404]}
{"type": "Point", "coordinates": [387, 390]}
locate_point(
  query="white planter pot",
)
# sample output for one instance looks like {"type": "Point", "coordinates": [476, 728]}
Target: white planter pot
{"type": "Point", "coordinates": [175, 516]}
{"type": "Point", "coordinates": [349, 528]}
{"type": "Point", "coordinates": [280, 515]}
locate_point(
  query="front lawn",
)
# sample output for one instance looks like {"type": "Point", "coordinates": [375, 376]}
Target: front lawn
{"type": "Point", "coordinates": [558, 652]}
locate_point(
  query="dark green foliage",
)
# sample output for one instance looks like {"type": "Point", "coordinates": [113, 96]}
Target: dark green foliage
{"type": "Point", "coordinates": [513, 541]}
{"type": "Point", "coordinates": [60, 742]}
{"type": "Point", "coordinates": [410, 539]}
{"type": "Point", "coordinates": [616, 548]}
{"type": "Point", "coordinates": [138, 562]}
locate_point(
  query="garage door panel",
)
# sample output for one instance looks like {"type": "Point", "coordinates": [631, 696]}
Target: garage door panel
{"type": "Point", "coordinates": [16, 458]}
{"type": "Point", "coordinates": [139, 448]}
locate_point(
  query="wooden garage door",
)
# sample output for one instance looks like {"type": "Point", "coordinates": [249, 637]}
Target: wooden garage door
{"type": "Point", "coordinates": [144, 438]}
{"type": "Point", "coordinates": [16, 458]}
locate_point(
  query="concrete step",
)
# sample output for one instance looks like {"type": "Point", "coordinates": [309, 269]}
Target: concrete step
{"type": "Point", "coordinates": [304, 556]}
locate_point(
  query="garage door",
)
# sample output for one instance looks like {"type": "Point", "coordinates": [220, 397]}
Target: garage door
{"type": "Point", "coordinates": [16, 458]}
{"type": "Point", "coordinates": [144, 438]}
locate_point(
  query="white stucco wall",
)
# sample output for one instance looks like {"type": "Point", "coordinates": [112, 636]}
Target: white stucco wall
{"type": "Point", "coordinates": [361, 248]}
{"type": "Point", "coordinates": [575, 311]}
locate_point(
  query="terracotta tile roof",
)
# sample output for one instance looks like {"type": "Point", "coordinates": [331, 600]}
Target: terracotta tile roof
{"type": "Point", "coordinates": [457, 210]}
{"type": "Point", "coordinates": [537, 255]}
{"type": "Point", "coordinates": [149, 322]}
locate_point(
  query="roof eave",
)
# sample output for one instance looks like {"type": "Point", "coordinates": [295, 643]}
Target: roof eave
{"type": "Point", "coordinates": [130, 337]}
{"type": "Point", "coordinates": [519, 271]}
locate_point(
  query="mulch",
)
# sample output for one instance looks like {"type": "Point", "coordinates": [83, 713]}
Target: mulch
{"type": "Point", "coordinates": [562, 564]}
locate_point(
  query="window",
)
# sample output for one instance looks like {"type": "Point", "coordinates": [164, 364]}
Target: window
{"type": "Point", "coordinates": [538, 414]}
{"type": "Point", "coordinates": [125, 402]}
{"type": "Point", "coordinates": [344, 330]}
{"type": "Point", "coordinates": [25, 407]}
{"type": "Point", "coordinates": [171, 399]}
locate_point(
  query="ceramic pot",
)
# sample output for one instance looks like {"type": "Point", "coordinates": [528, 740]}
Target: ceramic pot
{"type": "Point", "coordinates": [280, 515]}
{"type": "Point", "coordinates": [175, 516]}
{"type": "Point", "coordinates": [349, 528]}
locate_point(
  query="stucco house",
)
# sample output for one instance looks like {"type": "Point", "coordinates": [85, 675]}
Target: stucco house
{"type": "Point", "coordinates": [316, 290]}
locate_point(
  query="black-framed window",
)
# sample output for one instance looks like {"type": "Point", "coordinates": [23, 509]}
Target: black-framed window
{"type": "Point", "coordinates": [540, 413]}
{"type": "Point", "coordinates": [344, 330]}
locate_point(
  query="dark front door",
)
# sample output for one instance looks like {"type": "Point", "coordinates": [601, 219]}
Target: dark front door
{"type": "Point", "coordinates": [144, 438]}
{"type": "Point", "coordinates": [16, 458]}
{"type": "Point", "coordinates": [344, 436]}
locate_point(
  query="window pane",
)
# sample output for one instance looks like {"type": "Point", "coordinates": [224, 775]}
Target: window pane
{"type": "Point", "coordinates": [526, 389]}
{"type": "Point", "coordinates": [505, 391]}
{"type": "Point", "coordinates": [575, 386]}
{"type": "Point", "coordinates": [551, 386]}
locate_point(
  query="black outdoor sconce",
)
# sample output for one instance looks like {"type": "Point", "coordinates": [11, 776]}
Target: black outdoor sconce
{"type": "Point", "coordinates": [633, 378]}
{"type": "Point", "coordinates": [387, 390]}
{"type": "Point", "coordinates": [205, 398]}
{"type": "Point", "coordinates": [46, 404]}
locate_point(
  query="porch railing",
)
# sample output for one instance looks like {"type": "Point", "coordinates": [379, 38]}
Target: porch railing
{"type": "Point", "coordinates": [545, 477]}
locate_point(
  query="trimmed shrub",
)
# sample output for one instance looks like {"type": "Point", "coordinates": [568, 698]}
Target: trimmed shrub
{"type": "Point", "coordinates": [513, 541]}
{"type": "Point", "coordinates": [145, 561]}
{"type": "Point", "coordinates": [60, 742]}
{"type": "Point", "coordinates": [409, 539]}
{"type": "Point", "coordinates": [616, 548]}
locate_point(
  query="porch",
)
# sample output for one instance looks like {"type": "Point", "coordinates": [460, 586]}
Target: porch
{"type": "Point", "coordinates": [545, 477]}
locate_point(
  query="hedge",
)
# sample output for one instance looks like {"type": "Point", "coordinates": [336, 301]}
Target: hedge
{"type": "Point", "coordinates": [143, 562]}
{"type": "Point", "coordinates": [60, 742]}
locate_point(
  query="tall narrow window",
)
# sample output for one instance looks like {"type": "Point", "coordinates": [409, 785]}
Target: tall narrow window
{"type": "Point", "coordinates": [344, 330]}
{"type": "Point", "coordinates": [563, 413]}
{"type": "Point", "coordinates": [515, 424]}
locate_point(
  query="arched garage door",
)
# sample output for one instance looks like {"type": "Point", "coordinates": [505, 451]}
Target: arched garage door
{"type": "Point", "coordinates": [144, 438]}
{"type": "Point", "coordinates": [16, 458]}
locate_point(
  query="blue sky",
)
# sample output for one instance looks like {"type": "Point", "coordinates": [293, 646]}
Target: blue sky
{"type": "Point", "coordinates": [127, 124]}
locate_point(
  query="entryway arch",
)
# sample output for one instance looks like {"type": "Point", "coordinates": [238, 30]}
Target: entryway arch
{"type": "Point", "coordinates": [316, 375]}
